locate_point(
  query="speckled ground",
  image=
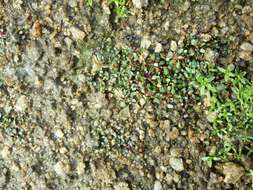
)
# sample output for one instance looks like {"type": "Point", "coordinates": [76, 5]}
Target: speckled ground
{"type": "Point", "coordinates": [57, 132]}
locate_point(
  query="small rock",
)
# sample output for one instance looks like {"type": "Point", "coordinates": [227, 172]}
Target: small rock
{"type": "Point", "coordinates": [68, 42]}
{"type": "Point", "coordinates": [174, 152]}
{"type": "Point", "coordinates": [206, 37]}
{"type": "Point", "coordinates": [246, 10]}
{"type": "Point", "coordinates": [166, 25]}
{"type": "Point", "coordinates": [106, 8]}
{"type": "Point", "coordinates": [232, 171]}
{"type": "Point", "coordinates": [21, 104]}
{"type": "Point", "coordinates": [158, 48]}
{"type": "Point", "coordinates": [246, 47]}
{"type": "Point", "coordinates": [77, 33]}
{"type": "Point", "coordinates": [145, 42]}
{"type": "Point", "coordinates": [59, 134]}
{"type": "Point", "coordinates": [125, 113]}
{"type": "Point", "coordinates": [72, 3]}
{"type": "Point", "coordinates": [80, 168]}
{"type": "Point", "coordinates": [248, 20]}
{"type": "Point", "coordinates": [176, 178]}
{"type": "Point", "coordinates": [158, 185]}
{"type": "Point", "coordinates": [177, 164]}
{"type": "Point", "coordinates": [172, 134]}
{"type": "Point", "coordinates": [245, 55]}
{"type": "Point", "coordinates": [37, 29]}
{"type": "Point", "coordinates": [140, 3]}
{"type": "Point", "coordinates": [63, 150]}
{"type": "Point", "coordinates": [168, 178]}
{"type": "Point", "coordinates": [209, 55]}
{"type": "Point", "coordinates": [59, 169]}
{"type": "Point", "coordinates": [165, 124]}
{"type": "Point", "coordinates": [173, 46]}
{"type": "Point", "coordinates": [5, 152]}
{"type": "Point", "coordinates": [142, 101]}
{"type": "Point", "coordinates": [33, 52]}
{"type": "Point", "coordinates": [170, 106]}
{"type": "Point", "coordinates": [186, 6]}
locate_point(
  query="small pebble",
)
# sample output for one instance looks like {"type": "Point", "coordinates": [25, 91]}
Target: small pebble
{"type": "Point", "coordinates": [145, 43]}
{"type": "Point", "coordinates": [158, 48]}
{"type": "Point", "coordinates": [77, 33]}
{"type": "Point", "coordinates": [173, 46]}
{"type": "Point", "coordinates": [158, 185]}
{"type": "Point", "coordinates": [176, 164]}
{"type": "Point", "coordinates": [59, 134]}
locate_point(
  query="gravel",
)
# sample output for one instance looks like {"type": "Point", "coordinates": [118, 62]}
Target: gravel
{"type": "Point", "coordinates": [58, 131]}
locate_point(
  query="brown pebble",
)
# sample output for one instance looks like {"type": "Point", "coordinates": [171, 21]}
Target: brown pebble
{"type": "Point", "coordinates": [37, 29]}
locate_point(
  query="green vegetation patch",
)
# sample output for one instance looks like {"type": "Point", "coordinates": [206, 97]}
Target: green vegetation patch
{"type": "Point", "coordinates": [229, 98]}
{"type": "Point", "coordinates": [181, 78]}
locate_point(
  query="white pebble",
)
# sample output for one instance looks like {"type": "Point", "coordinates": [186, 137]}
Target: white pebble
{"type": "Point", "coordinates": [158, 185]}
{"type": "Point", "coordinates": [177, 164]}
{"type": "Point", "coordinates": [173, 46]}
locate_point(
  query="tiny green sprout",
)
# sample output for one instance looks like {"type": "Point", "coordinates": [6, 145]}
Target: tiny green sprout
{"type": "Point", "coordinates": [205, 84]}
{"type": "Point", "coordinates": [210, 160]}
{"type": "Point", "coordinates": [121, 11]}
{"type": "Point", "coordinates": [89, 3]}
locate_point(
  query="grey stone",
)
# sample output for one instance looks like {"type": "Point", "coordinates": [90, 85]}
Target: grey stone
{"type": "Point", "coordinates": [158, 48]}
{"type": "Point", "coordinates": [173, 46]}
{"type": "Point", "coordinates": [209, 55]}
{"type": "Point", "coordinates": [33, 52]}
{"type": "Point", "coordinates": [246, 47]}
{"type": "Point", "coordinates": [145, 42]}
{"type": "Point", "coordinates": [21, 104]}
{"type": "Point", "coordinates": [158, 185]}
{"type": "Point", "coordinates": [77, 33]}
{"type": "Point", "coordinates": [140, 3]}
{"type": "Point", "coordinates": [177, 164]}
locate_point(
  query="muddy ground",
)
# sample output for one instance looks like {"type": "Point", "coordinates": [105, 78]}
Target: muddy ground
{"type": "Point", "coordinates": [57, 132]}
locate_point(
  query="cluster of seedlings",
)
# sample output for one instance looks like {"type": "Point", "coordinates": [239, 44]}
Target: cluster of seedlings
{"type": "Point", "coordinates": [225, 91]}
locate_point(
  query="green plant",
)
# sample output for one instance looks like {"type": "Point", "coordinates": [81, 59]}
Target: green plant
{"type": "Point", "coordinates": [205, 84]}
{"type": "Point", "coordinates": [119, 6]}
{"type": "Point", "coordinates": [232, 100]}
{"type": "Point", "coordinates": [89, 2]}
{"type": "Point", "coordinates": [210, 160]}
